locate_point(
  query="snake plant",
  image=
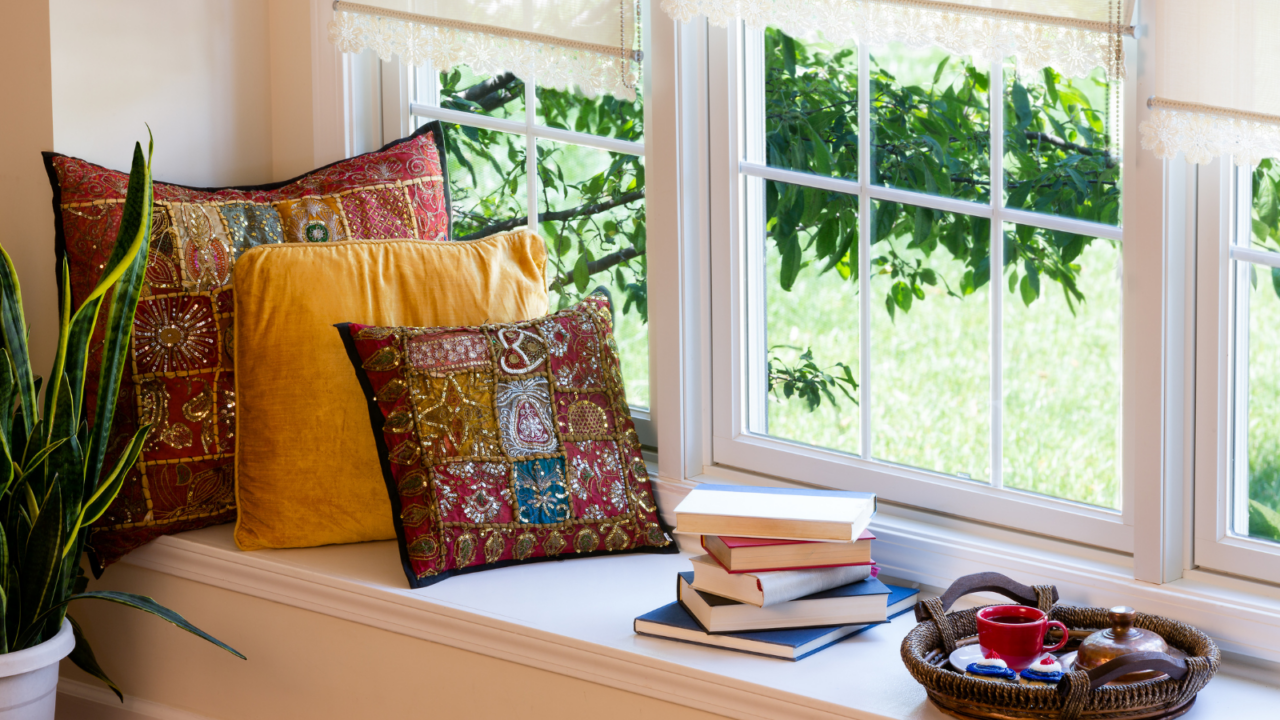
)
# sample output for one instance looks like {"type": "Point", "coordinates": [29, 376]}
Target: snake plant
{"type": "Point", "coordinates": [55, 481]}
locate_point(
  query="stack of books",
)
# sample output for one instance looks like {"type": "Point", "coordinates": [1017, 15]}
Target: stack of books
{"type": "Point", "coordinates": [787, 572]}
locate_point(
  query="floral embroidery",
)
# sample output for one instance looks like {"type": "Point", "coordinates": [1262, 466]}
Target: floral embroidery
{"type": "Point", "coordinates": [175, 333]}
{"type": "Point", "coordinates": [540, 491]}
{"type": "Point", "coordinates": [449, 352]}
{"type": "Point", "coordinates": [524, 407]}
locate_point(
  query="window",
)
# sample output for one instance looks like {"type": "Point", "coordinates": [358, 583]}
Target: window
{"type": "Point", "coordinates": [1238, 334]}
{"type": "Point", "coordinates": [873, 345]}
{"type": "Point", "coordinates": [574, 163]}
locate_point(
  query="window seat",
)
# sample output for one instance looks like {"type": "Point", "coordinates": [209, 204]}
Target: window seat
{"type": "Point", "coordinates": [574, 618]}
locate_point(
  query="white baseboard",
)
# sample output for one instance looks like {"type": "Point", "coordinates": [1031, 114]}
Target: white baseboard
{"type": "Point", "coordinates": [82, 701]}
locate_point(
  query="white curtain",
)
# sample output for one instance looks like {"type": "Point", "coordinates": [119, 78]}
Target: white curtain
{"type": "Point", "coordinates": [588, 43]}
{"type": "Point", "coordinates": [1072, 36]}
{"type": "Point", "coordinates": [1219, 80]}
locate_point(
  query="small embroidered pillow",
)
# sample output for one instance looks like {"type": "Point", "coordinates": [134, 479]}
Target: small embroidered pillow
{"type": "Point", "coordinates": [504, 444]}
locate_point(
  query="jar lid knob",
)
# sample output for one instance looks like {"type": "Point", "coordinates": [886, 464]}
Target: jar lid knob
{"type": "Point", "coordinates": [1121, 617]}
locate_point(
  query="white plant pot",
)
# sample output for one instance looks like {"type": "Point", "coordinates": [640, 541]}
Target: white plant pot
{"type": "Point", "coordinates": [29, 678]}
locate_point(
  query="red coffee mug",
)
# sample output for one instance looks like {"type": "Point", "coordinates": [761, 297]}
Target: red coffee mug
{"type": "Point", "coordinates": [1016, 633]}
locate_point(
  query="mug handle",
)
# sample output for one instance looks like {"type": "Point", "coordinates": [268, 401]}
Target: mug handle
{"type": "Point", "coordinates": [1065, 635]}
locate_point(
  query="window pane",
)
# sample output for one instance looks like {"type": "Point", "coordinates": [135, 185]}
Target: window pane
{"type": "Point", "coordinates": [486, 181]}
{"type": "Point", "coordinates": [1058, 157]}
{"type": "Point", "coordinates": [1260, 303]}
{"type": "Point", "coordinates": [811, 268]}
{"type": "Point", "coordinates": [810, 105]}
{"type": "Point", "coordinates": [500, 96]}
{"type": "Point", "coordinates": [602, 115]}
{"type": "Point", "coordinates": [930, 357]}
{"type": "Point", "coordinates": [930, 123]}
{"type": "Point", "coordinates": [1266, 205]}
{"type": "Point", "coordinates": [592, 217]}
{"type": "Point", "coordinates": [1062, 366]}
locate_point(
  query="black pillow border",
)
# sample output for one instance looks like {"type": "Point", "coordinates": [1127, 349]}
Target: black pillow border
{"type": "Point", "coordinates": [60, 234]}
{"type": "Point", "coordinates": [384, 457]}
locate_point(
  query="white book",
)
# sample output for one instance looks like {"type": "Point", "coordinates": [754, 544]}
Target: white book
{"type": "Point", "coordinates": [861, 602]}
{"type": "Point", "coordinates": [764, 589]}
{"type": "Point", "coordinates": [781, 513]}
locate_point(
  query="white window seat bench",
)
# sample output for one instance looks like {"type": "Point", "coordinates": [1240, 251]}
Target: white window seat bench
{"type": "Point", "coordinates": [569, 620]}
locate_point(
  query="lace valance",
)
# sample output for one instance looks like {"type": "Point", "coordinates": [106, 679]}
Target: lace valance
{"type": "Point", "coordinates": [1074, 38]}
{"type": "Point", "coordinates": [591, 44]}
{"type": "Point", "coordinates": [1217, 61]}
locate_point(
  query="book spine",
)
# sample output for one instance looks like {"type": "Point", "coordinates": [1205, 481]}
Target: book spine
{"type": "Point", "coordinates": [780, 587]}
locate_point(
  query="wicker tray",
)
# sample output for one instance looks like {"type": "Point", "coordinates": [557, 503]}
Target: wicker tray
{"type": "Point", "coordinates": [1081, 695]}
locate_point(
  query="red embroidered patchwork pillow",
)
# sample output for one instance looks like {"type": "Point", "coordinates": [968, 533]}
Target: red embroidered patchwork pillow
{"type": "Point", "coordinates": [181, 380]}
{"type": "Point", "coordinates": [504, 444]}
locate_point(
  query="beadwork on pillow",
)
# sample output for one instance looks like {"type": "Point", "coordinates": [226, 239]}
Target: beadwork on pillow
{"type": "Point", "coordinates": [181, 378]}
{"type": "Point", "coordinates": [504, 444]}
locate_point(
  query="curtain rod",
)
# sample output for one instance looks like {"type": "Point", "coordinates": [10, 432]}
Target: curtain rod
{"type": "Point", "coordinates": [1159, 103]}
{"type": "Point", "coordinates": [1100, 26]}
{"type": "Point", "coordinates": [361, 9]}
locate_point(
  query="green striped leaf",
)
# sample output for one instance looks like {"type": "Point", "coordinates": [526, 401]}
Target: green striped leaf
{"type": "Point", "coordinates": [125, 272]}
{"type": "Point", "coordinates": [14, 327]}
{"type": "Point", "coordinates": [146, 604]}
{"type": "Point", "coordinates": [84, 659]}
{"type": "Point", "coordinates": [39, 565]}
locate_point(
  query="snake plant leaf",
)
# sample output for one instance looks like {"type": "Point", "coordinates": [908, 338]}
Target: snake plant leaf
{"type": "Point", "coordinates": [4, 591]}
{"type": "Point", "coordinates": [146, 604]}
{"type": "Point", "coordinates": [124, 271]}
{"type": "Point", "coordinates": [107, 490]}
{"type": "Point", "coordinates": [30, 467]}
{"type": "Point", "coordinates": [39, 565]}
{"type": "Point", "coordinates": [82, 325]}
{"type": "Point", "coordinates": [8, 387]}
{"type": "Point", "coordinates": [13, 324]}
{"type": "Point", "coordinates": [82, 656]}
{"type": "Point", "coordinates": [56, 377]}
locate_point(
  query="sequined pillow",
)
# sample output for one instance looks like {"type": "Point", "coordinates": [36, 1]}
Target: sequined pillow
{"type": "Point", "coordinates": [504, 444]}
{"type": "Point", "coordinates": [181, 374]}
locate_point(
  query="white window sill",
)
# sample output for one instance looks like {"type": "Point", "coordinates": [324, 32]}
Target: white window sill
{"type": "Point", "coordinates": [574, 618]}
{"type": "Point", "coordinates": [1242, 617]}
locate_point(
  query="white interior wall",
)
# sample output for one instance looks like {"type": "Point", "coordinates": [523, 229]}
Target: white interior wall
{"type": "Point", "coordinates": [198, 72]}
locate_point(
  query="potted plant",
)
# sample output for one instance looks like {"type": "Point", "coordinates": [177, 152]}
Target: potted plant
{"type": "Point", "coordinates": [55, 481]}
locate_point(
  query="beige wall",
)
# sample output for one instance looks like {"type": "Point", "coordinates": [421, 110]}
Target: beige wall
{"type": "Point", "coordinates": [307, 665]}
{"type": "Point", "coordinates": [26, 128]}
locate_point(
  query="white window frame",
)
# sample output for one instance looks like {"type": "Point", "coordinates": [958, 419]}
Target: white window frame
{"type": "Point", "coordinates": [736, 363]}
{"type": "Point", "coordinates": [412, 94]}
{"type": "Point", "coordinates": [1224, 254]}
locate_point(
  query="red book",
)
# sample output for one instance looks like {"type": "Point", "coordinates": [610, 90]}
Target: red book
{"type": "Point", "coordinates": [740, 554]}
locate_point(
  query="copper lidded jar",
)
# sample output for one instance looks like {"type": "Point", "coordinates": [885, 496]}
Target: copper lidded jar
{"type": "Point", "coordinates": [1122, 638]}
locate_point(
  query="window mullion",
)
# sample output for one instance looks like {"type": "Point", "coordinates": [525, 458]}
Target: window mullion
{"type": "Point", "coordinates": [1238, 510]}
{"type": "Point", "coordinates": [996, 104]}
{"type": "Point", "coordinates": [864, 246]}
{"type": "Point", "coordinates": [531, 151]}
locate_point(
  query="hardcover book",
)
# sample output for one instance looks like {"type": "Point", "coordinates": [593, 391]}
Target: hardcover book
{"type": "Point", "coordinates": [764, 589]}
{"type": "Point", "coordinates": [779, 513]}
{"type": "Point", "coordinates": [862, 602]}
{"type": "Point", "coordinates": [673, 622]}
{"type": "Point", "coordinates": [741, 554]}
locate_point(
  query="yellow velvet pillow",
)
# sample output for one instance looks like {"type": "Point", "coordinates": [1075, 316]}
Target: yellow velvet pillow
{"type": "Point", "coordinates": [307, 468]}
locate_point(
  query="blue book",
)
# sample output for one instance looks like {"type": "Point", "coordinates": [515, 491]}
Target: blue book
{"type": "Point", "coordinates": [673, 622]}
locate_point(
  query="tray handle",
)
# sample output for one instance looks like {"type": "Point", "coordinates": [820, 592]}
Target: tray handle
{"type": "Point", "coordinates": [987, 582]}
{"type": "Point", "coordinates": [1137, 662]}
